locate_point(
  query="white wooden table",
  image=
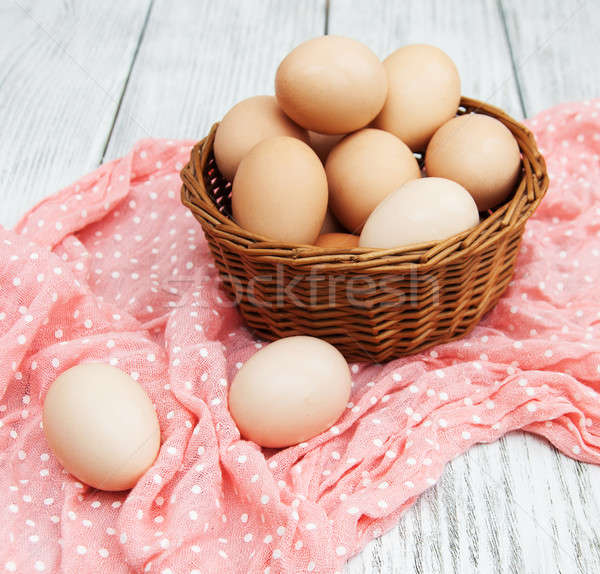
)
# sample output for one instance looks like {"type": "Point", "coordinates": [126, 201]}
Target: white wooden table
{"type": "Point", "coordinates": [81, 81]}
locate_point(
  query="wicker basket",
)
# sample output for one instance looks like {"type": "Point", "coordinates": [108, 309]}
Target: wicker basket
{"type": "Point", "coordinates": [372, 304]}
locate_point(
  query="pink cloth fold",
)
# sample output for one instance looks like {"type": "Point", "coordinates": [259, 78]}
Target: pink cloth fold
{"type": "Point", "coordinates": [114, 269]}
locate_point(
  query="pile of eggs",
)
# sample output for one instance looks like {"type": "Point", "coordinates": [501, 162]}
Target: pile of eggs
{"type": "Point", "coordinates": [330, 159]}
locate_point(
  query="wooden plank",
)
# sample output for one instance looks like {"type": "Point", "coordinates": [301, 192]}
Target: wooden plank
{"type": "Point", "coordinates": [515, 505]}
{"type": "Point", "coordinates": [199, 58]}
{"type": "Point", "coordinates": [62, 69]}
{"type": "Point", "coordinates": [470, 32]}
{"type": "Point", "coordinates": [555, 45]}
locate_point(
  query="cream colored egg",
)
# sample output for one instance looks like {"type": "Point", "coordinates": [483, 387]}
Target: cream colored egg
{"type": "Point", "coordinates": [247, 123]}
{"type": "Point", "coordinates": [362, 170]}
{"type": "Point", "coordinates": [480, 153]}
{"type": "Point", "coordinates": [290, 391]}
{"type": "Point", "coordinates": [331, 85]}
{"type": "Point", "coordinates": [101, 426]}
{"type": "Point", "coordinates": [280, 191]}
{"type": "Point", "coordinates": [423, 210]}
{"type": "Point", "coordinates": [423, 93]}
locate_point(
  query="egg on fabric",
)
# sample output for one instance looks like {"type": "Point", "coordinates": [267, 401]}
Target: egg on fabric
{"type": "Point", "coordinates": [323, 143]}
{"type": "Point", "coordinates": [289, 391]}
{"type": "Point", "coordinates": [337, 240]}
{"type": "Point", "coordinates": [331, 85]}
{"type": "Point", "coordinates": [423, 93]}
{"type": "Point", "coordinates": [247, 123]}
{"type": "Point", "coordinates": [280, 191]}
{"type": "Point", "coordinates": [101, 426]}
{"type": "Point", "coordinates": [480, 153]}
{"type": "Point", "coordinates": [423, 210]}
{"type": "Point", "coordinates": [362, 170]}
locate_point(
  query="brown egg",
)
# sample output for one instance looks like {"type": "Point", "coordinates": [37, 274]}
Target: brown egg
{"type": "Point", "coordinates": [337, 240]}
{"type": "Point", "coordinates": [323, 143]}
{"type": "Point", "coordinates": [480, 153]}
{"type": "Point", "coordinates": [423, 93]}
{"type": "Point", "coordinates": [290, 391]}
{"type": "Point", "coordinates": [362, 170]}
{"type": "Point", "coordinates": [247, 123]}
{"type": "Point", "coordinates": [280, 191]}
{"type": "Point", "coordinates": [427, 209]}
{"type": "Point", "coordinates": [331, 224]}
{"type": "Point", "coordinates": [101, 426]}
{"type": "Point", "coordinates": [331, 85]}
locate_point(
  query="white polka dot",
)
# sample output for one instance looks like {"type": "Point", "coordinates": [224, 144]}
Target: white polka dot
{"type": "Point", "coordinates": [382, 504]}
{"type": "Point", "coordinates": [264, 499]}
{"type": "Point", "coordinates": [248, 537]}
{"type": "Point", "coordinates": [39, 566]}
{"type": "Point", "coordinates": [340, 550]}
{"type": "Point", "coordinates": [81, 550]}
{"type": "Point", "coordinates": [10, 566]}
{"type": "Point", "coordinates": [21, 339]}
{"type": "Point", "coordinates": [531, 407]}
{"type": "Point", "coordinates": [411, 461]}
{"type": "Point", "coordinates": [103, 552]}
{"type": "Point", "coordinates": [466, 435]}
{"type": "Point", "coordinates": [16, 281]}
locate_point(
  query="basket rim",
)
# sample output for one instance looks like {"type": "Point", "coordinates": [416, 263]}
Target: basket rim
{"type": "Point", "coordinates": [504, 220]}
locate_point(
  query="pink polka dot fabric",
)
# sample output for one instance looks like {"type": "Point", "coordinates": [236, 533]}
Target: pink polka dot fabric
{"type": "Point", "coordinates": [114, 269]}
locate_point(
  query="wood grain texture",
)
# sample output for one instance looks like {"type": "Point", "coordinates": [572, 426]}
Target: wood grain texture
{"type": "Point", "coordinates": [555, 46]}
{"type": "Point", "coordinates": [199, 58]}
{"type": "Point", "coordinates": [62, 70]}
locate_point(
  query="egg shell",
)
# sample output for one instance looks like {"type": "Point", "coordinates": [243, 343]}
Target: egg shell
{"type": "Point", "coordinates": [423, 93]}
{"type": "Point", "coordinates": [423, 210]}
{"type": "Point", "coordinates": [337, 240]}
{"type": "Point", "coordinates": [362, 170]}
{"type": "Point", "coordinates": [280, 191]}
{"type": "Point", "coordinates": [247, 123]}
{"type": "Point", "coordinates": [331, 85]}
{"type": "Point", "coordinates": [480, 153]}
{"type": "Point", "coordinates": [101, 426]}
{"type": "Point", "coordinates": [290, 391]}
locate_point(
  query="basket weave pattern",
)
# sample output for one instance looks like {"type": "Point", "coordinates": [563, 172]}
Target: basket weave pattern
{"type": "Point", "coordinates": [372, 304]}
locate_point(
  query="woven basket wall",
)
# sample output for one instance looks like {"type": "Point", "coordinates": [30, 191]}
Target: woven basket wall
{"type": "Point", "coordinates": [372, 304]}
